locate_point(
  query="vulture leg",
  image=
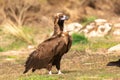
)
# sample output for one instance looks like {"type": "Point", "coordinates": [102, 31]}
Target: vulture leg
{"type": "Point", "coordinates": [50, 72]}
{"type": "Point", "coordinates": [49, 67]}
{"type": "Point", "coordinates": [59, 72]}
{"type": "Point", "coordinates": [58, 65]}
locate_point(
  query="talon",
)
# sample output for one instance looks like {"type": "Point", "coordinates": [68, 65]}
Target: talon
{"type": "Point", "coordinates": [50, 72]}
{"type": "Point", "coordinates": [59, 72]}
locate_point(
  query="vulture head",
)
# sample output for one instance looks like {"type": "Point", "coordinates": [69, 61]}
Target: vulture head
{"type": "Point", "coordinates": [59, 19]}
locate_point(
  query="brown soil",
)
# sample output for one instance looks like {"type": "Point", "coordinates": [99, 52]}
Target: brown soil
{"type": "Point", "coordinates": [74, 65]}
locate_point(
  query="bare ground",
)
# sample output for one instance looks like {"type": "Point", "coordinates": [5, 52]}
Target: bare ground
{"type": "Point", "coordinates": [75, 66]}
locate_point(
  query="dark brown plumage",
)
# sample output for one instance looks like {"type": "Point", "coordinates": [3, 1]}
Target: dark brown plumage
{"type": "Point", "coordinates": [50, 51]}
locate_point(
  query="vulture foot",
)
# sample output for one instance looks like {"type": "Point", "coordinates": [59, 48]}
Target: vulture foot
{"type": "Point", "coordinates": [50, 72]}
{"type": "Point", "coordinates": [59, 72]}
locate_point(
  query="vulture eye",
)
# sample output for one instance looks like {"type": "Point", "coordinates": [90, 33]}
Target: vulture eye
{"type": "Point", "coordinates": [64, 17]}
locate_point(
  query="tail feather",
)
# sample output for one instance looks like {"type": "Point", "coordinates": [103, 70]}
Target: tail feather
{"type": "Point", "coordinates": [28, 63]}
{"type": "Point", "coordinates": [25, 71]}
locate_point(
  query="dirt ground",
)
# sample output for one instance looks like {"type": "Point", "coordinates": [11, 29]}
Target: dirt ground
{"type": "Point", "coordinates": [75, 65]}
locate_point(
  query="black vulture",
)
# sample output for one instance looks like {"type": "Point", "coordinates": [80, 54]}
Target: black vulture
{"type": "Point", "coordinates": [50, 51]}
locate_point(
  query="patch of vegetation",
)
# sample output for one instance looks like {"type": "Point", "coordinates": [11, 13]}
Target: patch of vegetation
{"type": "Point", "coordinates": [94, 44]}
{"type": "Point", "coordinates": [39, 77]}
{"type": "Point", "coordinates": [1, 49]}
{"type": "Point", "coordinates": [80, 47]}
{"type": "Point", "coordinates": [88, 19]}
{"type": "Point", "coordinates": [79, 39]}
{"type": "Point", "coordinates": [104, 77]}
{"type": "Point", "coordinates": [17, 44]}
{"type": "Point", "coordinates": [20, 32]}
{"type": "Point", "coordinates": [2, 57]}
{"type": "Point", "coordinates": [15, 37]}
{"type": "Point", "coordinates": [101, 43]}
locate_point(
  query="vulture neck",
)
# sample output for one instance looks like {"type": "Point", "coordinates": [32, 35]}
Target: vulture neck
{"type": "Point", "coordinates": [58, 27]}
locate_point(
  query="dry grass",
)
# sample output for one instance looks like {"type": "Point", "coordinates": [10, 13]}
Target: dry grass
{"type": "Point", "coordinates": [17, 31]}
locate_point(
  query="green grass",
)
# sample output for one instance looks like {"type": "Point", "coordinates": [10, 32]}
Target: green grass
{"type": "Point", "coordinates": [94, 46]}
{"type": "Point", "coordinates": [39, 77]}
{"type": "Point", "coordinates": [20, 32]}
{"type": "Point", "coordinates": [73, 66]}
{"type": "Point", "coordinates": [79, 39]}
{"type": "Point", "coordinates": [13, 38]}
{"type": "Point", "coordinates": [1, 49]}
{"type": "Point", "coordinates": [88, 75]}
{"type": "Point", "coordinates": [102, 43]}
{"type": "Point", "coordinates": [8, 57]}
{"type": "Point", "coordinates": [17, 44]}
{"type": "Point", "coordinates": [81, 43]}
{"type": "Point", "coordinates": [11, 57]}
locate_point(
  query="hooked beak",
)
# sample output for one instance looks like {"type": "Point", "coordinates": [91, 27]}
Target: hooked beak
{"type": "Point", "coordinates": [64, 17]}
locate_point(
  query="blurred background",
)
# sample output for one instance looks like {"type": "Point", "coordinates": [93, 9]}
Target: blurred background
{"type": "Point", "coordinates": [28, 22]}
{"type": "Point", "coordinates": [94, 26]}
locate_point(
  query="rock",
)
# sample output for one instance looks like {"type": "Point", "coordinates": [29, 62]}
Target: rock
{"type": "Point", "coordinates": [117, 25]}
{"type": "Point", "coordinates": [100, 21]}
{"type": "Point", "coordinates": [73, 27]}
{"type": "Point", "coordinates": [114, 48]}
{"type": "Point", "coordinates": [91, 26]}
{"type": "Point", "coordinates": [93, 34]}
{"type": "Point", "coordinates": [104, 29]}
{"type": "Point", "coordinates": [116, 32]}
{"type": "Point", "coordinates": [98, 28]}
